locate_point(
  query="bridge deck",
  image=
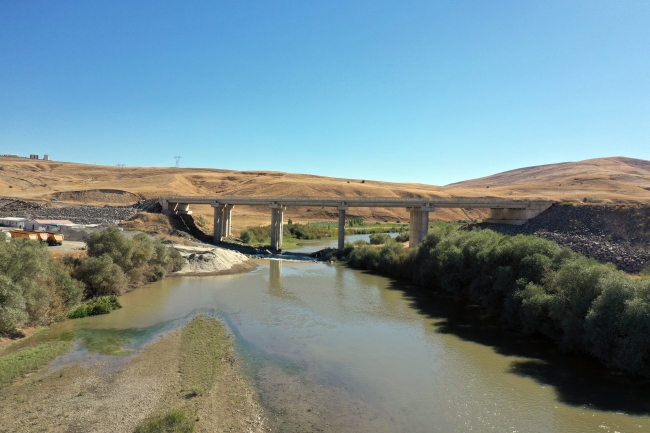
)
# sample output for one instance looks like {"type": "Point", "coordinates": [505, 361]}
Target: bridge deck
{"type": "Point", "coordinates": [440, 202]}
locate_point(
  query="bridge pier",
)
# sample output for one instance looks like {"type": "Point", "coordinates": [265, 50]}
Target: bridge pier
{"type": "Point", "coordinates": [277, 225]}
{"type": "Point", "coordinates": [222, 221]}
{"type": "Point", "coordinates": [227, 221]}
{"type": "Point", "coordinates": [419, 225]}
{"type": "Point", "coordinates": [342, 210]}
{"type": "Point", "coordinates": [218, 222]}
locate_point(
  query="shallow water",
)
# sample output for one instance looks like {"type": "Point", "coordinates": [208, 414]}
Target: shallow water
{"type": "Point", "coordinates": [332, 349]}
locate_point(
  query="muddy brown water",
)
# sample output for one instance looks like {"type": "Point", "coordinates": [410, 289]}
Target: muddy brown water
{"type": "Point", "coordinates": [330, 349]}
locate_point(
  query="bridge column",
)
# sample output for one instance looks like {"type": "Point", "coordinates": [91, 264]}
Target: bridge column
{"type": "Point", "coordinates": [226, 220]}
{"type": "Point", "coordinates": [218, 222]}
{"type": "Point", "coordinates": [419, 226]}
{"type": "Point", "coordinates": [342, 210]}
{"type": "Point", "coordinates": [277, 226]}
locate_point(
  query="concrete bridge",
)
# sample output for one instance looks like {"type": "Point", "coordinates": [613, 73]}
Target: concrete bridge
{"type": "Point", "coordinates": [502, 210]}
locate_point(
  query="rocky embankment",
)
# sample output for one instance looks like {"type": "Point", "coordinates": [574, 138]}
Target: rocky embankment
{"type": "Point", "coordinates": [616, 234]}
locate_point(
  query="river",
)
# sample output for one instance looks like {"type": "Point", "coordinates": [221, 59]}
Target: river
{"type": "Point", "coordinates": [331, 349]}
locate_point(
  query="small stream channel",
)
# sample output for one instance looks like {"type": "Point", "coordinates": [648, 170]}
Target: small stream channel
{"type": "Point", "coordinates": [331, 349]}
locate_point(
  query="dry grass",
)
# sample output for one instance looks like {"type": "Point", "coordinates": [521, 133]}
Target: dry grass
{"type": "Point", "coordinates": [148, 222]}
{"type": "Point", "coordinates": [76, 254]}
{"type": "Point", "coordinates": [606, 180]}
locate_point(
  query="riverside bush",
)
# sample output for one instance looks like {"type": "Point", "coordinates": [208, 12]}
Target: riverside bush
{"type": "Point", "coordinates": [402, 237]}
{"type": "Point", "coordinates": [102, 276]}
{"type": "Point", "coordinates": [380, 239]}
{"type": "Point", "coordinates": [38, 290]}
{"type": "Point", "coordinates": [95, 307]}
{"type": "Point", "coordinates": [531, 285]}
{"type": "Point", "coordinates": [34, 288]}
{"type": "Point", "coordinates": [117, 262]}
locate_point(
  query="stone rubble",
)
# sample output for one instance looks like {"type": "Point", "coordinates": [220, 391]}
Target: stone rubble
{"type": "Point", "coordinates": [614, 234]}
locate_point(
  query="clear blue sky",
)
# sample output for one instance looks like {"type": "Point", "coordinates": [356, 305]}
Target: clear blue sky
{"type": "Point", "coordinates": [422, 91]}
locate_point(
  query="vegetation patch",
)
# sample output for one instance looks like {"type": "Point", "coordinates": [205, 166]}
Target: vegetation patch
{"type": "Point", "coordinates": [112, 341]}
{"type": "Point", "coordinates": [36, 289]}
{"type": "Point", "coordinates": [172, 421]}
{"type": "Point", "coordinates": [96, 306]}
{"type": "Point", "coordinates": [28, 360]}
{"type": "Point", "coordinates": [204, 344]}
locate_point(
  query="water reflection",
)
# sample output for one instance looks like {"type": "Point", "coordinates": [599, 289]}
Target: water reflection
{"type": "Point", "coordinates": [577, 380]}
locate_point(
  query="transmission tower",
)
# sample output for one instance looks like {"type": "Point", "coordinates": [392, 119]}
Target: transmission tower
{"type": "Point", "coordinates": [177, 158]}
{"type": "Point", "coordinates": [121, 168]}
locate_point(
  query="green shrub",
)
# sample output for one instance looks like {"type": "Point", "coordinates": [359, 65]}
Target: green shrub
{"type": "Point", "coordinates": [402, 237]}
{"type": "Point", "coordinates": [13, 314]}
{"type": "Point", "coordinates": [112, 243]}
{"type": "Point", "coordinates": [380, 239]}
{"type": "Point", "coordinates": [365, 257]}
{"type": "Point", "coordinates": [246, 236]}
{"type": "Point", "coordinates": [95, 307]}
{"type": "Point", "coordinates": [101, 276]}
{"type": "Point", "coordinates": [141, 259]}
{"type": "Point", "coordinates": [34, 289]}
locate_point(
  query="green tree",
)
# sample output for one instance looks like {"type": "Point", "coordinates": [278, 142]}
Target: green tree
{"type": "Point", "coordinates": [101, 276]}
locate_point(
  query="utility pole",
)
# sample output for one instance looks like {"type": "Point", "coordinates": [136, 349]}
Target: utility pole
{"type": "Point", "coordinates": [121, 168]}
{"type": "Point", "coordinates": [177, 158]}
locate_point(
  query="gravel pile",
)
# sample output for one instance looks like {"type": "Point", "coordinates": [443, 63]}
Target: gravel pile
{"type": "Point", "coordinates": [10, 207]}
{"type": "Point", "coordinates": [615, 234]}
{"type": "Point", "coordinates": [87, 214]}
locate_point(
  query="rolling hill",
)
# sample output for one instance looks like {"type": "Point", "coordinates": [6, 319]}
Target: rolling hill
{"type": "Point", "coordinates": [615, 180]}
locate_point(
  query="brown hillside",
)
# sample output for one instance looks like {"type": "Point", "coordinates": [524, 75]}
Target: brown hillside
{"type": "Point", "coordinates": [95, 184]}
{"type": "Point", "coordinates": [601, 180]}
{"type": "Point", "coordinates": [604, 180]}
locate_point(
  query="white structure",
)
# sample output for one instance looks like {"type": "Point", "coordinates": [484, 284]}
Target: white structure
{"type": "Point", "coordinates": [14, 222]}
{"type": "Point", "coordinates": [46, 157]}
{"type": "Point", "coordinates": [46, 225]}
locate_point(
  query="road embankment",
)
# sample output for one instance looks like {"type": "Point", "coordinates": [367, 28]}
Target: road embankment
{"type": "Point", "coordinates": [609, 234]}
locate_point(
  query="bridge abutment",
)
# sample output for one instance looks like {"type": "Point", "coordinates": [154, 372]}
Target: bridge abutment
{"type": "Point", "coordinates": [516, 216]}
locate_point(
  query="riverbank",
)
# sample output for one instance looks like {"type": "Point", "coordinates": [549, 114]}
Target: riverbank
{"type": "Point", "coordinates": [529, 285]}
{"type": "Point", "coordinates": [159, 378]}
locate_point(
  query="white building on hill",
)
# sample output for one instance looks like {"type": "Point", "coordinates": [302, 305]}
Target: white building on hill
{"type": "Point", "coordinates": [46, 225]}
{"type": "Point", "coordinates": [14, 222]}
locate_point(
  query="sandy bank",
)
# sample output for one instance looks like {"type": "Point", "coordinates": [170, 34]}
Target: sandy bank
{"type": "Point", "coordinates": [209, 260]}
{"type": "Point", "coordinates": [75, 399]}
